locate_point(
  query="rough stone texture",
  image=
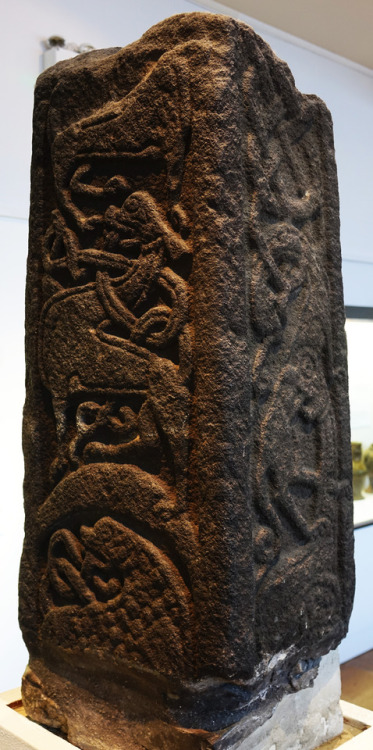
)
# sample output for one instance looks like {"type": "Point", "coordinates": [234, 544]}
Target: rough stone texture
{"type": "Point", "coordinates": [188, 539]}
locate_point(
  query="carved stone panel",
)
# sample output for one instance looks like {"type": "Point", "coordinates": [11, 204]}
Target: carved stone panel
{"type": "Point", "coordinates": [188, 539]}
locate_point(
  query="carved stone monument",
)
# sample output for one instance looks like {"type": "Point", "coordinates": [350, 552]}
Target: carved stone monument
{"type": "Point", "coordinates": [188, 538]}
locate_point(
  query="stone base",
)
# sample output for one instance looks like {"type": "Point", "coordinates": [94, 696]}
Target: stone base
{"type": "Point", "coordinates": [19, 733]}
{"type": "Point", "coordinates": [301, 721]}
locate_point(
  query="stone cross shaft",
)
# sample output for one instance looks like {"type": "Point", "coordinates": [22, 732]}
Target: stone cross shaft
{"type": "Point", "coordinates": [188, 536]}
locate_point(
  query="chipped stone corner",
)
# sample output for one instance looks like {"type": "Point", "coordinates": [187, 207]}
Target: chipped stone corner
{"type": "Point", "coordinates": [302, 720]}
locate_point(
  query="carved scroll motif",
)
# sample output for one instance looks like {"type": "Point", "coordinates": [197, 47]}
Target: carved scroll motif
{"type": "Point", "coordinates": [294, 489]}
{"type": "Point", "coordinates": [115, 357]}
{"type": "Point", "coordinates": [109, 575]}
{"type": "Point", "coordinates": [137, 318]}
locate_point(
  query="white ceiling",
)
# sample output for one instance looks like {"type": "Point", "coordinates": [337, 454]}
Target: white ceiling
{"type": "Point", "coordinates": [341, 26]}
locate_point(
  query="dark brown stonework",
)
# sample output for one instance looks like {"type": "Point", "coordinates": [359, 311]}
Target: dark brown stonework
{"type": "Point", "coordinates": [188, 543]}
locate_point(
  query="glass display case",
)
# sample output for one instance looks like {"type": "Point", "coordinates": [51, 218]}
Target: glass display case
{"type": "Point", "coordinates": [359, 331]}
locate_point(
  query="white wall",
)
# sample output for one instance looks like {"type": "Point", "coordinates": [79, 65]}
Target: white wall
{"type": "Point", "coordinates": [13, 242]}
{"type": "Point", "coordinates": [346, 90]}
{"type": "Point", "coordinates": [360, 637]}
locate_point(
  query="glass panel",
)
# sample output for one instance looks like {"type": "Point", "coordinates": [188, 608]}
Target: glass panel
{"type": "Point", "coordinates": [360, 369]}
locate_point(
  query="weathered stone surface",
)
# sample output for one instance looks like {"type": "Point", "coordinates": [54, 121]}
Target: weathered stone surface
{"type": "Point", "coordinates": [188, 539]}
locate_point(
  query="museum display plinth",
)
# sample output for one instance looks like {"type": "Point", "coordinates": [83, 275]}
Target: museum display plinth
{"type": "Point", "coordinates": [188, 536]}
